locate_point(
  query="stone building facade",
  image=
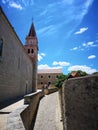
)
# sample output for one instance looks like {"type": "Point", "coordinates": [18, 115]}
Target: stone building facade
{"type": "Point", "coordinates": [47, 77]}
{"type": "Point", "coordinates": [16, 67]}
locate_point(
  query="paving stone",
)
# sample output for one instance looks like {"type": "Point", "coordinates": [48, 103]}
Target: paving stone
{"type": "Point", "coordinates": [4, 116]}
{"type": "Point", "coordinates": [49, 116]}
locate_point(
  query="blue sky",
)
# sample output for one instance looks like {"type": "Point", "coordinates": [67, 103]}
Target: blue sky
{"type": "Point", "coordinates": [67, 31]}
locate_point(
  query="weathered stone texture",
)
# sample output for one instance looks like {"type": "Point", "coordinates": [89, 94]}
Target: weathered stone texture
{"type": "Point", "coordinates": [15, 64]}
{"type": "Point", "coordinates": [80, 103]}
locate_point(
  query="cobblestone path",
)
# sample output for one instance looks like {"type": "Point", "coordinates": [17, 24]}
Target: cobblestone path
{"type": "Point", "coordinates": [49, 114]}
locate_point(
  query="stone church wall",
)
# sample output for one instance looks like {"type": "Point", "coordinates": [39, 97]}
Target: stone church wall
{"type": "Point", "coordinates": [15, 64]}
{"type": "Point", "coordinates": [80, 103]}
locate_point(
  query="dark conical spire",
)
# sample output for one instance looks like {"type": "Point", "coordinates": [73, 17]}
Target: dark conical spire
{"type": "Point", "coordinates": [32, 31]}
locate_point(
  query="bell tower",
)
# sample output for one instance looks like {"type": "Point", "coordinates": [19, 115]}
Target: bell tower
{"type": "Point", "coordinates": [31, 47]}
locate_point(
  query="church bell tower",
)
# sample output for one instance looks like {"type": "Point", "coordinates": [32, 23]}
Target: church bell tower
{"type": "Point", "coordinates": [31, 47]}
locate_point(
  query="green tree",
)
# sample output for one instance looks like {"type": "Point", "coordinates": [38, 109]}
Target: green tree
{"type": "Point", "coordinates": [95, 73]}
{"type": "Point", "coordinates": [79, 73]}
{"type": "Point", "coordinates": [60, 80]}
{"type": "Point", "coordinates": [82, 73]}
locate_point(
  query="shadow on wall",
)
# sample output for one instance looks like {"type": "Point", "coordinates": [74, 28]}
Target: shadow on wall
{"type": "Point", "coordinates": [29, 114]}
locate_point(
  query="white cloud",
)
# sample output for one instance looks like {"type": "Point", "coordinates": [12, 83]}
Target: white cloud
{"type": "Point", "coordinates": [15, 5]}
{"type": "Point", "coordinates": [45, 66]}
{"type": "Point", "coordinates": [73, 49]}
{"type": "Point", "coordinates": [84, 45]}
{"type": "Point", "coordinates": [82, 30]}
{"type": "Point", "coordinates": [43, 54]}
{"type": "Point", "coordinates": [40, 56]}
{"type": "Point", "coordinates": [68, 16]}
{"type": "Point", "coordinates": [91, 57]}
{"type": "Point", "coordinates": [61, 63]}
{"type": "Point", "coordinates": [56, 65]}
{"type": "Point", "coordinates": [85, 68]}
{"type": "Point", "coordinates": [89, 44]}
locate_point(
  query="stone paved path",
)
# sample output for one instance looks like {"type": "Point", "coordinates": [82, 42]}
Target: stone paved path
{"type": "Point", "coordinates": [49, 114]}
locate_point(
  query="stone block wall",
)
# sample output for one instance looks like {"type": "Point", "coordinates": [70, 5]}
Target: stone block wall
{"type": "Point", "coordinates": [79, 99]}
{"type": "Point", "coordinates": [15, 65]}
{"type": "Point", "coordinates": [24, 117]}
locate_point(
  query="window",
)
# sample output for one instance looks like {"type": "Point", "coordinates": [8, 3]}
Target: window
{"type": "Point", "coordinates": [41, 76]}
{"type": "Point", "coordinates": [41, 82]}
{"type": "Point", "coordinates": [49, 83]}
{"type": "Point", "coordinates": [56, 76]}
{"type": "Point", "coordinates": [49, 76]}
{"type": "Point", "coordinates": [1, 46]}
{"type": "Point", "coordinates": [28, 50]}
{"type": "Point", "coordinates": [32, 51]}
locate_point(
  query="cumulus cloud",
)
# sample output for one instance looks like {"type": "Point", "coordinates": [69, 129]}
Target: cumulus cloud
{"type": "Point", "coordinates": [91, 57]}
{"type": "Point", "coordinates": [61, 63]}
{"type": "Point", "coordinates": [55, 65]}
{"type": "Point", "coordinates": [85, 68]}
{"type": "Point", "coordinates": [40, 56]}
{"type": "Point", "coordinates": [82, 30]}
{"type": "Point", "coordinates": [45, 66]}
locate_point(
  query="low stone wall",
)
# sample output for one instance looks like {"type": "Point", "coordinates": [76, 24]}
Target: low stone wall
{"type": "Point", "coordinates": [24, 117]}
{"type": "Point", "coordinates": [49, 91]}
{"type": "Point", "coordinates": [79, 99]}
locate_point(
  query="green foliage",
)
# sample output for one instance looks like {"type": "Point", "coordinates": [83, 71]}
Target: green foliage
{"type": "Point", "coordinates": [95, 73]}
{"type": "Point", "coordinates": [81, 73]}
{"type": "Point", "coordinates": [60, 80]}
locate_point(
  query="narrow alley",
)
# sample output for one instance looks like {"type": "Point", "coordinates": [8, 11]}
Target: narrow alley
{"type": "Point", "coordinates": [49, 113]}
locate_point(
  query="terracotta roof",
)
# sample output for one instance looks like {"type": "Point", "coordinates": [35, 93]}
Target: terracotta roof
{"type": "Point", "coordinates": [50, 71]}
